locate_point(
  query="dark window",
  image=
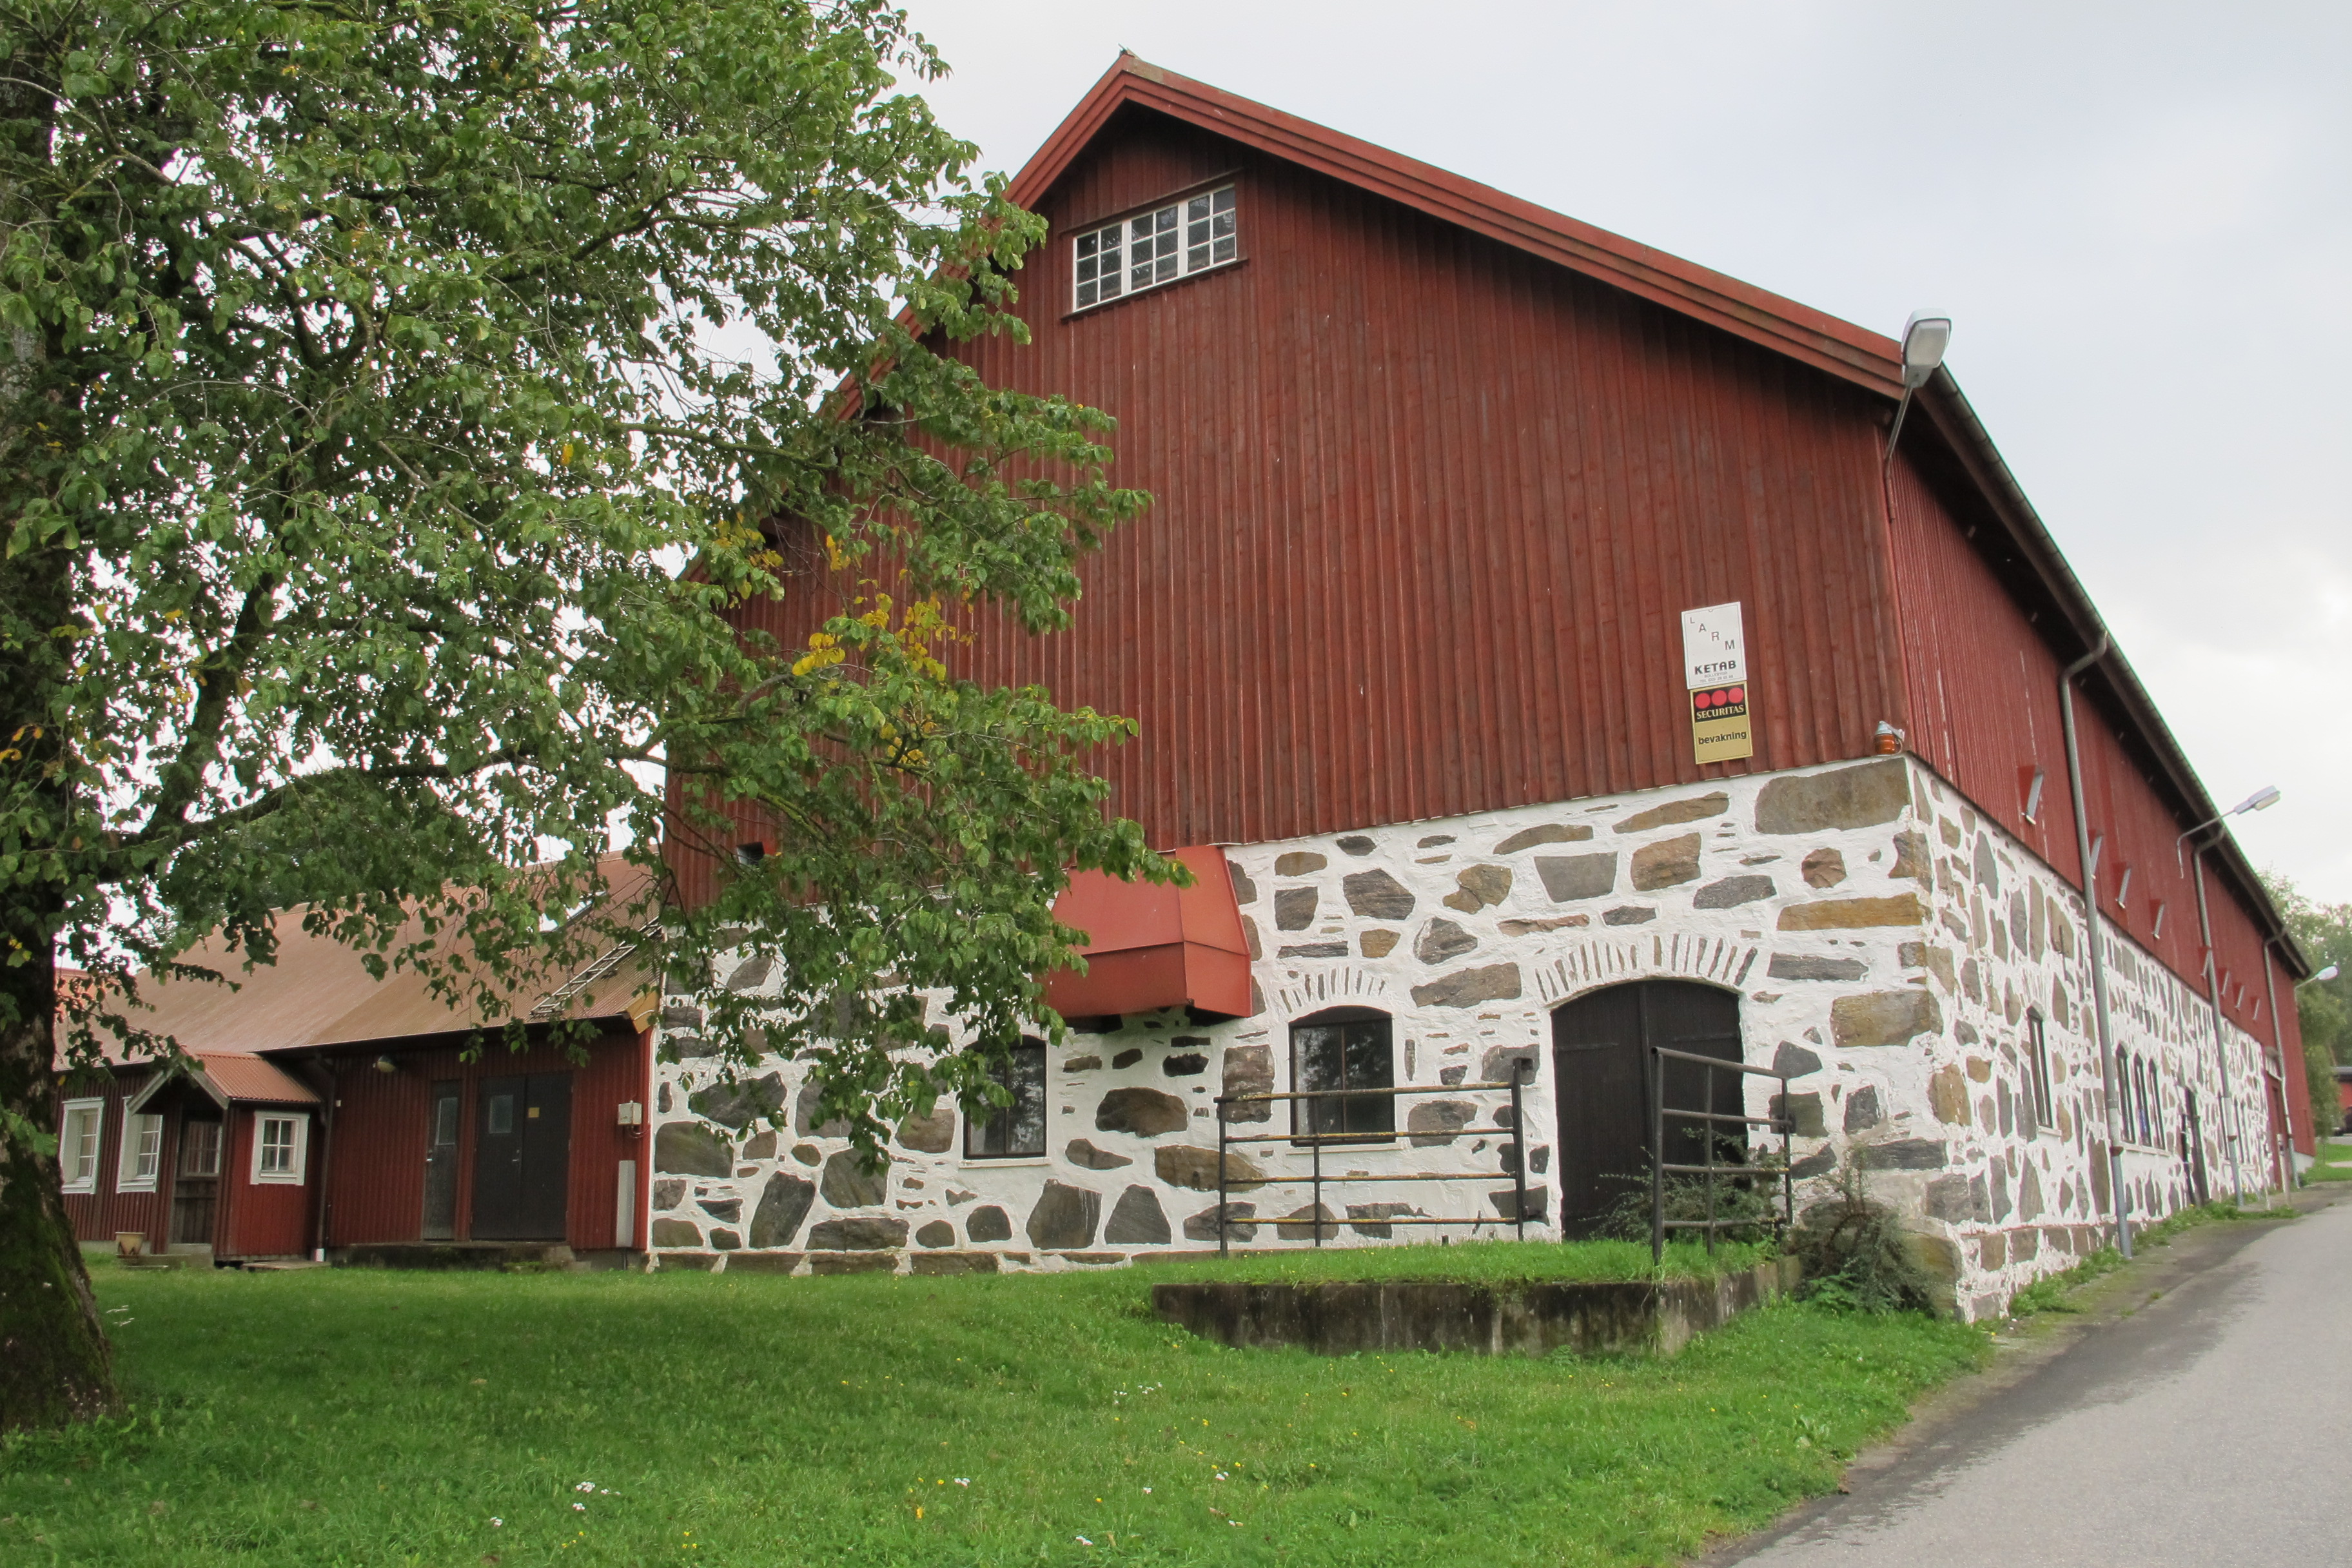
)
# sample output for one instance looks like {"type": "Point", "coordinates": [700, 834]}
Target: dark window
{"type": "Point", "coordinates": [1018, 1129]}
{"type": "Point", "coordinates": [2037, 1067]}
{"type": "Point", "coordinates": [1347, 1047]}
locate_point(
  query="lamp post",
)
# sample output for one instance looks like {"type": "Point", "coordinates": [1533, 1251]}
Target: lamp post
{"type": "Point", "coordinates": [1926, 336]}
{"type": "Point", "coordinates": [2262, 799]}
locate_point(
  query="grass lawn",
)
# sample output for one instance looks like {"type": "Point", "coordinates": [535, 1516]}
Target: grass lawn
{"type": "Point", "coordinates": [2335, 1162]}
{"type": "Point", "coordinates": [330, 1417]}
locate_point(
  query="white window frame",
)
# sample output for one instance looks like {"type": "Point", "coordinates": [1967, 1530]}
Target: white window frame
{"type": "Point", "coordinates": [138, 1126]}
{"type": "Point", "coordinates": [299, 1154]}
{"type": "Point", "coordinates": [1182, 238]}
{"type": "Point", "coordinates": [72, 1115]}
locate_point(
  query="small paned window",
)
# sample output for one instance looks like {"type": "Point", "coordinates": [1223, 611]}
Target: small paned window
{"type": "Point", "coordinates": [78, 1136]}
{"type": "Point", "coordinates": [1345, 1048]}
{"type": "Point", "coordinates": [143, 1153]}
{"type": "Point", "coordinates": [1155, 248]}
{"type": "Point", "coordinates": [2037, 1067]}
{"type": "Point", "coordinates": [2139, 1097]}
{"type": "Point", "coordinates": [1017, 1131]}
{"type": "Point", "coordinates": [200, 1148]}
{"type": "Point", "coordinates": [278, 1146]}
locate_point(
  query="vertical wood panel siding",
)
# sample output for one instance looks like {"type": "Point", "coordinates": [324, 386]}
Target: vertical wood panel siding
{"type": "Point", "coordinates": [263, 1221]}
{"type": "Point", "coordinates": [1984, 701]}
{"type": "Point", "coordinates": [1426, 512]}
{"type": "Point", "coordinates": [97, 1216]}
{"type": "Point", "coordinates": [376, 1189]}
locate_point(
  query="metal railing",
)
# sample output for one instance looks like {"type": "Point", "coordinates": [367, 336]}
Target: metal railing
{"type": "Point", "coordinates": [1710, 1168]}
{"type": "Point", "coordinates": [1315, 1143]}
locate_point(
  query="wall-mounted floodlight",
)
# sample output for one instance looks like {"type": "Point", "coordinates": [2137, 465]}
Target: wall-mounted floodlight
{"type": "Point", "coordinates": [1926, 336]}
{"type": "Point", "coordinates": [2262, 799]}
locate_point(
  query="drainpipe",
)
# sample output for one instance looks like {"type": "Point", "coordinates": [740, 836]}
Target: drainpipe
{"type": "Point", "coordinates": [321, 1236]}
{"type": "Point", "coordinates": [2092, 940]}
{"type": "Point", "coordinates": [2230, 1129]}
{"type": "Point", "coordinates": [2286, 1101]}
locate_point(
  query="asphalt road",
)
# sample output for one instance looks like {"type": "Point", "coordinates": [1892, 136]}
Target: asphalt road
{"type": "Point", "coordinates": [2209, 1426]}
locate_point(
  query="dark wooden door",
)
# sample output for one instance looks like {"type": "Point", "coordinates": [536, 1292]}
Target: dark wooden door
{"type": "Point", "coordinates": [441, 1162]}
{"type": "Point", "coordinates": [1601, 1056]}
{"type": "Point", "coordinates": [196, 1181]}
{"type": "Point", "coordinates": [522, 1157]}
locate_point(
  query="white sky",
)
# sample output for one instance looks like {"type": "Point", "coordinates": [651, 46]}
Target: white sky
{"type": "Point", "coordinates": [2139, 216]}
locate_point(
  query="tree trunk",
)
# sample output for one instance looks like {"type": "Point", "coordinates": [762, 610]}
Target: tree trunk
{"type": "Point", "coordinates": [53, 1363]}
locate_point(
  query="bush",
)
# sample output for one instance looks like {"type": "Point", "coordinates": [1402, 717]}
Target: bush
{"type": "Point", "coordinates": [1856, 1254]}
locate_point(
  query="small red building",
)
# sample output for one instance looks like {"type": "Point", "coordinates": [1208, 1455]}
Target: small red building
{"type": "Point", "coordinates": [319, 1112]}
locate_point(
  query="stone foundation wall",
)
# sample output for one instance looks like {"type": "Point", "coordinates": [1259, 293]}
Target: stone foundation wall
{"type": "Point", "coordinates": [1885, 942]}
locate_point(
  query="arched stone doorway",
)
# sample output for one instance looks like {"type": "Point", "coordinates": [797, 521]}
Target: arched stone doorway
{"type": "Point", "coordinates": [1600, 1045]}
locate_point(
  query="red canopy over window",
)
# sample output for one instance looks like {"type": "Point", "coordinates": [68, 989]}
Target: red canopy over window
{"type": "Point", "coordinates": [1151, 946]}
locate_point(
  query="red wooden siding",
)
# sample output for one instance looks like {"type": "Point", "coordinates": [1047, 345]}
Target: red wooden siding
{"type": "Point", "coordinates": [1427, 510]}
{"type": "Point", "coordinates": [97, 1216]}
{"type": "Point", "coordinates": [276, 1220]}
{"type": "Point", "coordinates": [1985, 715]}
{"type": "Point", "coordinates": [376, 1189]}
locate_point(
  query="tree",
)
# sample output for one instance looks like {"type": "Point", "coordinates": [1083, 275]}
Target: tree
{"type": "Point", "coordinates": [371, 371]}
{"type": "Point", "coordinates": [2323, 1008]}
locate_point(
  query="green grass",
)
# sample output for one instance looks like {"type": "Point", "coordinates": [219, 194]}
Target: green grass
{"type": "Point", "coordinates": [1476, 1262]}
{"type": "Point", "coordinates": [327, 1418]}
{"type": "Point", "coordinates": [2335, 1162]}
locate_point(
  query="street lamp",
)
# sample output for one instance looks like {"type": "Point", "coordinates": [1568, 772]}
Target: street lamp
{"type": "Point", "coordinates": [2327, 974]}
{"type": "Point", "coordinates": [2262, 799]}
{"type": "Point", "coordinates": [1926, 336]}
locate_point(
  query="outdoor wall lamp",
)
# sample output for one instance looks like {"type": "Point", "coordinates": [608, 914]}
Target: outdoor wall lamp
{"type": "Point", "coordinates": [2262, 799]}
{"type": "Point", "coordinates": [2327, 974]}
{"type": "Point", "coordinates": [1926, 336]}
{"type": "Point", "coordinates": [386, 1065]}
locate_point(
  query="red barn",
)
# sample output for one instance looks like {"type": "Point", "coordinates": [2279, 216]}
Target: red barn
{"type": "Point", "coordinates": [1539, 625]}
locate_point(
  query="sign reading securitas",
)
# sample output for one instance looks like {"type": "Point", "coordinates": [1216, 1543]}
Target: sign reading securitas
{"type": "Point", "coordinates": [1715, 670]}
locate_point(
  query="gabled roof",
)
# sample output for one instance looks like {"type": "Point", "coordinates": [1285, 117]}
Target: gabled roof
{"type": "Point", "coordinates": [1814, 337]}
{"type": "Point", "coordinates": [320, 993]}
{"type": "Point", "coordinates": [229, 1077]}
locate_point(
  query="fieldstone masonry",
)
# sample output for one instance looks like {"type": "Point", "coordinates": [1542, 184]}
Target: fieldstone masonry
{"type": "Point", "coordinates": [1891, 946]}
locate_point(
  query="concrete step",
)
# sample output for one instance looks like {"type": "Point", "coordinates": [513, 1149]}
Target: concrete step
{"type": "Point", "coordinates": [509, 1256]}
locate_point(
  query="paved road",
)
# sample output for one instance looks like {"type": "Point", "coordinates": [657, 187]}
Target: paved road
{"type": "Point", "coordinates": [2210, 1427]}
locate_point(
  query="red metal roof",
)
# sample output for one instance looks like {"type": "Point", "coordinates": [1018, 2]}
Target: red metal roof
{"type": "Point", "coordinates": [1814, 337]}
{"type": "Point", "coordinates": [1151, 946]}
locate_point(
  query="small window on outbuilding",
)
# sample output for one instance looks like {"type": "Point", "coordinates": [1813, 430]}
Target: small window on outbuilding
{"type": "Point", "coordinates": [78, 1136]}
{"type": "Point", "coordinates": [1117, 259]}
{"type": "Point", "coordinates": [1017, 1131]}
{"type": "Point", "coordinates": [1343, 1049]}
{"type": "Point", "coordinates": [281, 1148]}
{"type": "Point", "coordinates": [143, 1153]}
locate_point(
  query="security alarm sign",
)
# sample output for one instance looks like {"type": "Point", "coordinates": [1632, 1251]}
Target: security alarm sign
{"type": "Point", "coordinates": [1715, 651]}
{"type": "Point", "coordinates": [1715, 671]}
{"type": "Point", "coordinates": [1719, 728]}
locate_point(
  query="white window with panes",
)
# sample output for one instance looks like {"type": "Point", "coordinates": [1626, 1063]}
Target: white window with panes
{"type": "Point", "coordinates": [279, 1143]}
{"type": "Point", "coordinates": [1141, 252]}
{"type": "Point", "coordinates": [78, 1136]}
{"type": "Point", "coordinates": [143, 1152]}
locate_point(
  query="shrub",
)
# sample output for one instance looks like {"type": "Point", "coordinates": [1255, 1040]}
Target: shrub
{"type": "Point", "coordinates": [1854, 1252]}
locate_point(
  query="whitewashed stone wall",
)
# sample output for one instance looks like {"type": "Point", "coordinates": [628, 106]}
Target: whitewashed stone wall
{"type": "Point", "coordinates": [1885, 938]}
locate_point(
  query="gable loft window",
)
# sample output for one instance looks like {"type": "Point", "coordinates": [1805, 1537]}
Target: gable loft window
{"type": "Point", "coordinates": [1017, 1131]}
{"type": "Point", "coordinates": [78, 1144]}
{"type": "Point", "coordinates": [143, 1153]}
{"type": "Point", "coordinates": [280, 1143]}
{"type": "Point", "coordinates": [2037, 1067]}
{"type": "Point", "coordinates": [1155, 248]}
{"type": "Point", "coordinates": [1344, 1047]}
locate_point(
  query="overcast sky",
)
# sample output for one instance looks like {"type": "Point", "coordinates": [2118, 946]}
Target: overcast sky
{"type": "Point", "coordinates": [2139, 217]}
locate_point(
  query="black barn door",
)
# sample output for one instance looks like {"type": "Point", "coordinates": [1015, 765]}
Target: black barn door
{"type": "Point", "coordinates": [441, 1162]}
{"type": "Point", "coordinates": [1600, 1052]}
{"type": "Point", "coordinates": [522, 1157]}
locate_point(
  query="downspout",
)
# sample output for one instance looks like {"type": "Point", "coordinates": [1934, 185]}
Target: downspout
{"type": "Point", "coordinates": [2229, 1129]}
{"type": "Point", "coordinates": [2286, 1101]}
{"type": "Point", "coordinates": [326, 1161]}
{"type": "Point", "coordinates": [2092, 940]}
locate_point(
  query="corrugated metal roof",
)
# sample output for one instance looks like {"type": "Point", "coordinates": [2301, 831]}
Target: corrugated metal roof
{"type": "Point", "coordinates": [318, 993]}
